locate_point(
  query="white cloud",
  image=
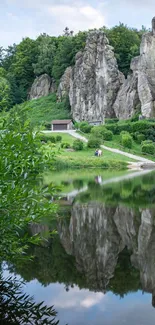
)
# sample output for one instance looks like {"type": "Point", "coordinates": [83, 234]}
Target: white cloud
{"type": "Point", "coordinates": [77, 17]}
{"type": "Point", "coordinates": [77, 298]}
{"type": "Point", "coordinates": [90, 301]}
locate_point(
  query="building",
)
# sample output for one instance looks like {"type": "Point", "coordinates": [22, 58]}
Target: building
{"type": "Point", "coordinates": [95, 123]}
{"type": "Point", "coordinates": [61, 125]}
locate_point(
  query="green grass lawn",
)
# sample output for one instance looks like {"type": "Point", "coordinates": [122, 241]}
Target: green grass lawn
{"type": "Point", "coordinates": [85, 153]}
{"type": "Point", "coordinates": [65, 137]}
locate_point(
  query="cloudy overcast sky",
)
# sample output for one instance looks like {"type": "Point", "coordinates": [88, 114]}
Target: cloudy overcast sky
{"type": "Point", "coordinates": [21, 18]}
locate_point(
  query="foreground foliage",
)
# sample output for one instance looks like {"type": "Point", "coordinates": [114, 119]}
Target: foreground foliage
{"type": "Point", "coordinates": [17, 308]}
{"type": "Point", "coordinates": [22, 199]}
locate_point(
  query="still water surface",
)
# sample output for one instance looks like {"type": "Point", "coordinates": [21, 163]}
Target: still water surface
{"type": "Point", "coordinates": [100, 268]}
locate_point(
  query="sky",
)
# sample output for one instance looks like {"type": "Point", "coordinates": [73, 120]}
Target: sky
{"type": "Point", "coordinates": [21, 18]}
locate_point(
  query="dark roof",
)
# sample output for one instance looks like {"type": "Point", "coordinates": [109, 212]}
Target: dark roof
{"type": "Point", "coordinates": [61, 121]}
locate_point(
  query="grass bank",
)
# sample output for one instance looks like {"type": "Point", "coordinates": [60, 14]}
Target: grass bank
{"type": "Point", "coordinates": [67, 158]}
{"type": "Point", "coordinates": [45, 109]}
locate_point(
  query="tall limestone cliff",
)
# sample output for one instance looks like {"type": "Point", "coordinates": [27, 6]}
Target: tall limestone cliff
{"type": "Point", "coordinates": [98, 234]}
{"type": "Point", "coordinates": [97, 89]}
{"type": "Point", "coordinates": [95, 80]}
{"type": "Point", "coordinates": [139, 88]}
{"type": "Point", "coordinates": [42, 86]}
{"type": "Point", "coordinates": [127, 100]}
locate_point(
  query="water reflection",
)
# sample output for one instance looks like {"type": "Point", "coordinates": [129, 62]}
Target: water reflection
{"type": "Point", "coordinates": [105, 241]}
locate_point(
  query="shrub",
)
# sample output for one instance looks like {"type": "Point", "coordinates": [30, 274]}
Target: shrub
{"type": "Point", "coordinates": [102, 132]}
{"type": "Point", "coordinates": [111, 120]}
{"type": "Point", "coordinates": [126, 140]}
{"type": "Point", "coordinates": [148, 149]}
{"type": "Point", "coordinates": [46, 138]}
{"type": "Point", "coordinates": [94, 142]}
{"type": "Point", "coordinates": [58, 138]}
{"type": "Point", "coordinates": [85, 127]}
{"type": "Point", "coordinates": [147, 142]}
{"type": "Point", "coordinates": [78, 145]}
{"type": "Point", "coordinates": [107, 135]}
{"type": "Point", "coordinates": [96, 131]}
{"type": "Point", "coordinates": [140, 126]}
{"type": "Point", "coordinates": [65, 145]}
{"type": "Point", "coordinates": [149, 134]}
{"type": "Point", "coordinates": [140, 138]}
{"type": "Point", "coordinates": [52, 139]}
{"type": "Point", "coordinates": [114, 128]}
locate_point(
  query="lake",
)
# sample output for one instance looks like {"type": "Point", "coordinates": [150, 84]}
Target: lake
{"type": "Point", "coordinates": [100, 266]}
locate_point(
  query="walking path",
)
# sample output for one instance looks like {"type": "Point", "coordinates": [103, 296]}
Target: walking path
{"type": "Point", "coordinates": [140, 160]}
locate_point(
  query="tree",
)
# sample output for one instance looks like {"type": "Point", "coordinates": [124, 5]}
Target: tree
{"type": "Point", "coordinates": [22, 199]}
{"type": "Point", "coordinates": [66, 51]}
{"type": "Point", "coordinates": [1, 55]}
{"type": "Point", "coordinates": [22, 65]}
{"type": "Point", "coordinates": [67, 32]}
{"type": "Point", "coordinates": [18, 308]}
{"type": "Point", "coordinates": [46, 52]}
{"type": "Point", "coordinates": [126, 44]}
{"type": "Point", "coordinates": [4, 94]}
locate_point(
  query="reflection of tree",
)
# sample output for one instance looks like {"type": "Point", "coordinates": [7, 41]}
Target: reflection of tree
{"type": "Point", "coordinates": [50, 264]}
{"type": "Point", "coordinates": [78, 184]}
{"type": "Point", "coordinates": [54, 265]}
{"type": "Point", "coordinates": [138, 192]}
{"type": "Point", "coordinates": [18, 308]}
{"type": "Point", "coordinates": [126, 278]}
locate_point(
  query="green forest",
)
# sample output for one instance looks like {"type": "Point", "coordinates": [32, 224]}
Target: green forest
{"type": "Point", "coordinates": [21, 63]}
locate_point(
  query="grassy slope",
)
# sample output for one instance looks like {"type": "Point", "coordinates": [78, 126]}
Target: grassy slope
{"type": "Point", "coordinates": [46, 109]}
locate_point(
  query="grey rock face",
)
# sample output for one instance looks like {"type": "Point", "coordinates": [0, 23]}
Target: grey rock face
{"type": "Point", "coordinates": [95, 80]}
{"type": "Point", "coordinates": [127, 98]}
{"type": "Point", "coordinates": [64, 84]}
{"type": "Point", "coordinates": [42, 86]}
{"type": "Point", "coordinates": [146, 75]}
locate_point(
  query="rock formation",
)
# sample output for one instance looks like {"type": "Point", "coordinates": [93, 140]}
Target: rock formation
{"type": "Point", "coordinates": [127, 98]}
{"type": "Point", "coordinates": [42, 86]}
{"type": "Point", "coordinates": [97, 234]}
{"type": "Point", "coordinates": [95, 80]}
{"type": "Point", "coordinates": [139, 88]}
{"type": "Point", "coordinates": [64, 85]}
{"type": "Point", "coordinates": [97, 89]}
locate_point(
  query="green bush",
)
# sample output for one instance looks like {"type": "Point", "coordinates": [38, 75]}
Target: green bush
{"type": "Point", "coordinates": [107, 135]}
{"type": "Point", "coordinates": [52, 139]}
{"type": "Point", "coordinates": [58, 138]}
{"type": "Point", "coordinates": [147, 142]}
{"type": "Point", "coordinates": [149, 134]}
{"type": "Point", "coordinates": [140, 126]}
{"type": "Point", "coordinates": [85, 127]}
{"type": "Point", "coordinates": [102, 132]}
{"type": "Point", "coordinates": [140, 138]}
{"type": "Point", "coordinates": [148, 149]}
{"type": "Point", "coordinates": [46, 138]}
{"type": "Point", "coordinates": [114, 128]}
{"type": "Point", "coordinates": [78, 145]}
{"type": "Point", "coordinates": [65, 145]}
{"type": "Point", "coordinates": [126, 140]}
{"type": "Point", "coordinates": [94, 142]}
{"type": "Point", "coordinates": [96, 131]}
{"type": "Point", "coordinates": [111, 120]}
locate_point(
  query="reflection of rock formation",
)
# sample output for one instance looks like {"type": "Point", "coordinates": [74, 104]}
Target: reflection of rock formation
{"type": "Point", "coordinates": [97, 234]}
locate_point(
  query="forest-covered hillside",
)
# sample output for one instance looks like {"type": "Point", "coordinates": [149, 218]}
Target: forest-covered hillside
{"type": "Point", "coordinates": [21, 63]}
